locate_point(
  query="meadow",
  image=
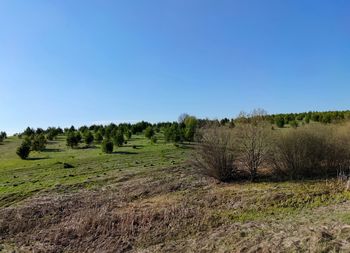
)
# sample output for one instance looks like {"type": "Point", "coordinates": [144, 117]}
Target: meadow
{"type": "Point", "coordinates": [148, 197]}
{"type": "Point", "coordinates": [45, 171]}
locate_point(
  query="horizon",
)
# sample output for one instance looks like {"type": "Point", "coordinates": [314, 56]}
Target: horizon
{"type": "Point", "coordinates": [75, 63]}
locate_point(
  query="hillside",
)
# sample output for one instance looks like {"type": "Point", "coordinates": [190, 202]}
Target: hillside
{"type": "Point", "coordinates": [150, 199]}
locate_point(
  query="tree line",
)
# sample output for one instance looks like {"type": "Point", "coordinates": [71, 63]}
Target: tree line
{"type": "Point", "coordinates": [296, 119]}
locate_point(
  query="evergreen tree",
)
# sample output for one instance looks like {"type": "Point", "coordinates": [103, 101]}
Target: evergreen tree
{"type": "Point", "coordinates": [72, 139]}
{"type": "Point", "coordinates": [279, 121]}
{"type": "Point", "coordinates": [149, 132]}
{"type": "Point", "coordinates": [98, 137]}
{"type": "Point", "coordinates": [23, 150]}
{"type": "Point", "coordinates": [118, 138]}
{"type": "Point", "coordinates": [107, 146]}
{"type": "Point", "coordinates": [39, 142]}
{"type": "Point", "coordinates": [88, 137]}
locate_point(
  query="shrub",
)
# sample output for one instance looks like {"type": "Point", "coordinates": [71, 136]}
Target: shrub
{"type": "Point", "coordinates": [107, 146]}
{"type": "Point", "coordinates": [23, 150]}
{"type": "Point", "coordinates": [254, 145]}
{"type": "Point", "coordinates": [307, 119]}
{"type": "Point", "coordinates": [154, 139]}
{"type": "Point", "coordinates": [173, 133]}
{"type": "Point", "coordinates": [279, 121]}
{"type": "Point", "coordinates": [118, 138]}
{"type": "Point", "coordinates": [52, 132]}
{"type": "Point", "coordinates": [149, 132]}
{"type": "Point", "coordinates": [78, 136]}
{"type": "Point", "coordinates": [88, 138]}
{"type": "Point", "coordinates": [294, 124]}
{"type": "Point", "coordinates": [98, 137]}
{"type": "Point", "coordinates": [51, 135]}
{"type": "Point", "coordinates": [214, 154]}
{"type": "Point", "coordinates": [338, 151]}
{"type": "Point", "coordinates": [72, 139]}
{"type": "Point", "coordinates": [39, 142]}
{"type": "Point", "coordinates": [3, 136]}
{"type": "Point", "coordinates": [29, 132]}
{"type": "Point", "coordinates": [128, 134]}
{"type": "Point", "coordinates": [310, 152]}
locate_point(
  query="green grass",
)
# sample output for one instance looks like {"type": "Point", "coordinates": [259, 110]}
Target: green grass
{"type": "Point", "coordinates": [271, 201]}
{"type": "Point", "coordinates": [44, 171]}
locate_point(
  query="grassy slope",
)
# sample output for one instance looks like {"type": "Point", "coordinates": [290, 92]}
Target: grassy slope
{"type": "Point", "coordinates": [152, 201]}
{"type": "Point", "coordinates": [44, 171]}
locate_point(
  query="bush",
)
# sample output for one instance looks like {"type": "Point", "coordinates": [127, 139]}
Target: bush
{"type": "Point", "coordinates": [29, 132]}
{"type": "Point", "coordinates": [3, 136]}
{"type": "Point", "coordinates": [72, 139]}
{"type": "Point", "coordinates": [307, 119]}
{"type": "Point", "coordinates": [39, 142]}
{"type": "Point", "coordinates": [78, 136]}
{"type": "Point", "coordinates": [98, 137]}
{"type": "Point", "coordinates": [23, 150]}
{"type": "Point", "coordinates": [279, 121]}
{"type": "Point", "coordinates": [215, 155]}
{"type": "Point", "coordinates": [149, 132]}
{"type": "Point", "coordinates": [88, 138]}
{"type": "Point", "coordinates": [128, 134]}
{"type": "Point", "coordinates": [154, 139]}
{"type": "Point", "coordinates": [118, 138]}
{"type": "Point", "coordinates": [311, 152]}
{"type": "Point", "coordinates": [107, 146]}
{"type": "Point", "coordinates": [254, 145]}
{"type": "Point", "coordinates": [173, 133]}
{"type": "Point", "coordinates": [51, 135]}
{"type": "Point", "coordinates": [52, 132]}
{"type": "Point", "coordinates": [294, 124]}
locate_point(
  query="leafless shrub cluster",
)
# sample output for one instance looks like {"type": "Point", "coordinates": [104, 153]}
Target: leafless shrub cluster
{"type": "Point", "coordinates": [309, 151]}
{"type": "Point", "coordinates": [312, 151]}
{"type": "Point", "coordinates": [215, 154]}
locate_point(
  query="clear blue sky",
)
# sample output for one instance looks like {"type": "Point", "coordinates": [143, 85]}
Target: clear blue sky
{"type": "Point", "coordinates": [66, 62]}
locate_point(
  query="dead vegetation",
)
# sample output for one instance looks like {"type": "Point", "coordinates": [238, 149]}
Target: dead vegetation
{"type": "Point", "coordinates": [176, 210]}
{"type": "Point", "coordinates": [306, 152]}
{"type": "Point", "coordinates": [215, 155]}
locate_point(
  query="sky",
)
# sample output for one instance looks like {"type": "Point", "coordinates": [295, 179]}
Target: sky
{"type": "Point", "coordinates": [80, 62]}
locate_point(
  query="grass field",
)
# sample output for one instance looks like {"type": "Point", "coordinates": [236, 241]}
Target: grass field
{"type": "Point", "coordinates": [44, 171]}
{"type": "Point", "coordinates": [150, 199]}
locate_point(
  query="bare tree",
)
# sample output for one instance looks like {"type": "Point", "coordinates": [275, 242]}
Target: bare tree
{"type": "Point", "coordinates": [253, 139]}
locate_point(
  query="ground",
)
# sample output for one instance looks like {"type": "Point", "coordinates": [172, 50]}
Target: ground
{"type": "Point", "coordinates": [150, 199]}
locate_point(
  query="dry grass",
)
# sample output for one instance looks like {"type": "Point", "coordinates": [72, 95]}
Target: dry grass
{"type": "Point", "coordinates": [175, 210]}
